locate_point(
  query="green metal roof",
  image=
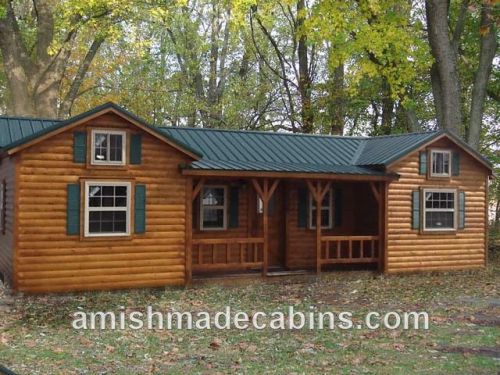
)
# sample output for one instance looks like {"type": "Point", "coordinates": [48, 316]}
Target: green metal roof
{"type": "Point", "coordinates": [286, 152]}
{"type": "Point", "coordinates": [32, 132]}
{"type": "Point", "coordinates": [225, 150]}
{"type": "Point", "coordinates": [14, 129]}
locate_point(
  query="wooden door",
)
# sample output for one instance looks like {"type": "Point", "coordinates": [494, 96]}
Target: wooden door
{"type": "Point", "coordinates": [276, 226]}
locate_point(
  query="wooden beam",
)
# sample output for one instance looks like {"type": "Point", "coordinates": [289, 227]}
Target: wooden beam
{"type": "Point", "coordinates": [325, 190]}
{"type": "Point", "coordinates": [197, 189]}
{"type": "Point", "coordinates": [288, 175]}
{"type": "Point", "coordinates": [257, 188]}
{"type": "Point", "coordinates": [273, 188]}
{"type": "Point", "coordinates": [189, 231]}
{"type": "Point", "coordinates": [376, 193]}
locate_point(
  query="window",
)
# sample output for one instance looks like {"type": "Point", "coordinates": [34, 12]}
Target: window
{"type": "Point", "coordinates": [213, 208]}
{"type": "Point", "coordinates": [260, 205]}
{"type": "Point", "coordinates": [108, 147]}
{"type": "Point", "coordinates": [107, 208]}
{"type": "Point", "coordinates": [326, 211]}
{"type": "Point", "coordinates": [3, 207]}
{"type": "Point", "coordinates": [439, 209]}
{"type": "Point", "coordinates": [440, 163]}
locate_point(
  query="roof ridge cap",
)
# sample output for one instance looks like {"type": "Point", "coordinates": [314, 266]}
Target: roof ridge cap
{"type": "Point", "coordinates": [359, 152]}
{"type": "Point", "coordinates": [403, 134]}
{"type": "Point", "coordinates": [266, 132]}
{"type": "Point", "coordinates": [28, 118]}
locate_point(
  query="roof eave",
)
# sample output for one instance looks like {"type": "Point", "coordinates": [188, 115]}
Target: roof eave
{"type": "Point", "coordinates": [72, 122]}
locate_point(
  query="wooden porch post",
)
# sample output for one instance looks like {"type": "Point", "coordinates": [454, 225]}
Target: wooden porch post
{"type": "Point", "coordinates": [318, 192]}
{"type": "Point", "coordinates": [265, 193]}
{"type": "Point", "coordinates": [191, 194]}
{"type": "Point", "coordinates": [189, 230]}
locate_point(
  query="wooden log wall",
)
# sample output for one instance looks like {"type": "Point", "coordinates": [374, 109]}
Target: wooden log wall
{"type": "Point", "coordinates": [359, 217]}
{"type": "Point", "coordinates": [49, 260]}
{"type": "Point", "coordinates": [7, 173]}
{"type": "Point", "coordinates": [408, 250]}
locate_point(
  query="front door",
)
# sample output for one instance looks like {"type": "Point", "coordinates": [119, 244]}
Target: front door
{"type": "Point", "coordinates": [276, 226]}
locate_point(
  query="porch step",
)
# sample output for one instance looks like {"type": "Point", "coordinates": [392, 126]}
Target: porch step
{"type": "Point", "coordinates": [288, 273]}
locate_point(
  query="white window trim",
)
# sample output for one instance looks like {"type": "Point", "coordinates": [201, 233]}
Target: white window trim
{"type": "Point", "coordinates": [433, 151]}
{"type": "Point", "coordinates": [224, 207]}
{"type": "Point", "coordinates": [108, 132]}
{"type": "Point", "coordinates": [88, 209]}
{"type": "Point", "coordinates": [330, 208]}
{"type": "Point", "coordinates": [454, 210]}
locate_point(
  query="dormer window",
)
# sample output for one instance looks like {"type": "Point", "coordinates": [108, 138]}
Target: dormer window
{"type": "Point", "coordinates": [440, 163]}
{"type": "Point", "coordinates": [108, 147]}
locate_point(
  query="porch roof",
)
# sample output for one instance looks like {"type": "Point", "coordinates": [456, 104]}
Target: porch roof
{"type": "Point", "coordinates": [235, 150]}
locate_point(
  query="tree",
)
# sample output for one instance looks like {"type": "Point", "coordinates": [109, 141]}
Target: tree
{"type": "Point", "coordinates": [446, 48]}
{"type": "Point", "coordinates": [37, 41]}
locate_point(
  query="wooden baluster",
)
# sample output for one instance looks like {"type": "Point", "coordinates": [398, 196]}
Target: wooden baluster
{"type": "Point", "coordinates": [361, 249]}
{"type": "Point", "coordinates": [327, 249]}
{"type": "Point", "coordinates": [338, 249]}
{"type": "Point", "coordinates": [350, 249]}
{"type": "Point", "coordinates": [255, 252]}
{"type": "Point", "coordinates": [372, 255]}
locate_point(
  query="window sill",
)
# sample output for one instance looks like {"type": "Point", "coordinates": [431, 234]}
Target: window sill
{"type": "Point", "coordinates": [440, 231]}
{"type": "Point", "coordinates": [84, 238]}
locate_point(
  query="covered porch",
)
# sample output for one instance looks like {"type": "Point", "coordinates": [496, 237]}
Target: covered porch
{"type": "Point", "coordinates": [276, 229]}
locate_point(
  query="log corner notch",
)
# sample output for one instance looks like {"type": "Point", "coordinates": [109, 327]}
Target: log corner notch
{"type": "Point", "coordinates": [318, 192]}
{"type": "Point", "coordinates": [265, 192]}
{"type": "Point", "coordinates": [192, 192]}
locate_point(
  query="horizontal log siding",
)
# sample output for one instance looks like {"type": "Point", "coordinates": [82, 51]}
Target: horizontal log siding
{"type": "Point", "coordinates": [49, 260]}
{"type": "Point", "coordinates": [407, 249]}
{"type": "Point", "coordinates": [359, 217]}
{"type": "Point", "coordinates": [7, 173]}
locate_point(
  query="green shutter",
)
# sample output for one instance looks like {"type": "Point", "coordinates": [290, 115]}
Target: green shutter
{"type": "Point", "coordinates": [415, 207]}
{"type": "Point", "coordinates": [455, 164]}
{"type": "Point", "coordinates": [136, 149]}
{"type": "Point", "coordinates": [338, 207]}
{"type": "Point", "coordinates": [140, 209]}
{"type": "Point", "coordinates": [234, 207]}
{"type": "Point", "coordinates": [422, 169]}
{"type": "Point", "coordinates": [461, 210]}
{"type": "Point", "coordinates": [73, 210]}
{"type": "Point", "coordinates": [79, 147]}
{"type": "Point", "coordinates": [302, 203]}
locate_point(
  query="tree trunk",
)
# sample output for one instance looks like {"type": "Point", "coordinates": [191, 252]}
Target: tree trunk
{"type": "Point", "coordinates": [34, 78]}
{"type": "Point", "coordinates": [387, 109]}
{"type": "Point", "coordinates": [446, 63]}
{"type": "Point", "coordinates": [487, 53]}
{"type": "Point", "coordinates": [336, 102]}
{"type": "Point", "coordinates": [304, 74]}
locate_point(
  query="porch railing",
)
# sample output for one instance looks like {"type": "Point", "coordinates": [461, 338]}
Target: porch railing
{"type": "Point", "coordinates": [349, 249]}
{"type": "Point", "coordinates": [227, 254]}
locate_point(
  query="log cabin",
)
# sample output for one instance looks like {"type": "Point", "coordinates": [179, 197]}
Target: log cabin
{"type": "Point", "coordinates": [105, 201]}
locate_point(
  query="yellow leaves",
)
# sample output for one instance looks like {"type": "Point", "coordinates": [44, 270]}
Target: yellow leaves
{"type": "Point", "coordinates": [484, 30]}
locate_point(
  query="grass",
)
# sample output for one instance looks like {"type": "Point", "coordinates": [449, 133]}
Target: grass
{"type": "Point", "coordinates": [464, 336]}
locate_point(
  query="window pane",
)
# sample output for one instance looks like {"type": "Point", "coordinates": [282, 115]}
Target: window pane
{"type": "Point", "coordinates": [440, 163]}
{"type": "Point", "coordinates": [213, 196]}
{"type": "Point", "coordinates": [116, 147]}
{"type": "Point", "coordinates": [100, 147]}
{"type": "Point", "coordinates": [440, 200]}
{"type": "Point", "coordinates": [439, 220]}
{"type": "Point", "coordinates": [107, 221]}
{"type": "Point", "coordinates": [213, 217]}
